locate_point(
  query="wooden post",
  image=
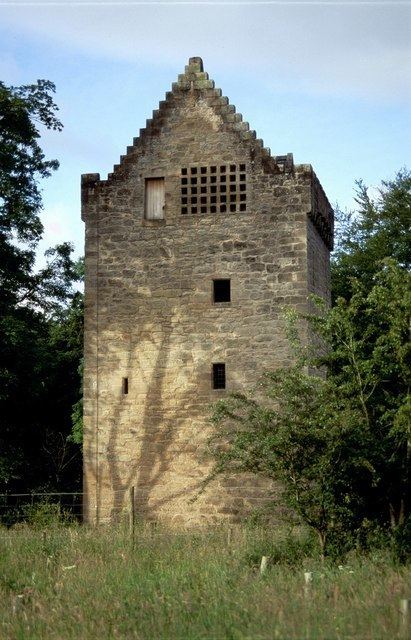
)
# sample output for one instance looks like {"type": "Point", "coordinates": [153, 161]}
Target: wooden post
{"type": "Point", "coordinates": [405, 618]}
{"type": "Point", "coordinates": [132, 514]}
{"type": "Point", "coordinates": [263, 565]}
{"type": "Point", "coordinates": [229, 536]}
{"type": "Point", "coordinates": [308, 579]}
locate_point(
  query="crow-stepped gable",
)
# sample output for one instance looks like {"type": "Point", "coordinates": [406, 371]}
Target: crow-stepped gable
{"type": "Point", "coordinates": [193, 245]}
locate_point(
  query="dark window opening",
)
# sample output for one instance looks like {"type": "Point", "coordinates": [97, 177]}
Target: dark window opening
{"type": "Point", "coordinates": [213, 169]}
{"type": "Point", "coordinates": [184, 172]}
{"type": "Point", "coordinates": [124, 386]}
{"type": "Point", "coordinates": [193, 169]}
{"type": "Point", "coordinates": [233, 208]}
{"type": "Point", "coordinates": [219, 375]}
{"type": "Point", "coordinates": [222, 290]}
{"type": "Point", "coordinates": [242, 167]}
{"type": "Point", "coordinates": [203, 169]}
{"type": "Point", "coordinates": [203, 209]}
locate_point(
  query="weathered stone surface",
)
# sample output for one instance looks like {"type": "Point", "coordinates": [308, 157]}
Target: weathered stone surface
{"type": "Point", "coordinates": [149, 311]}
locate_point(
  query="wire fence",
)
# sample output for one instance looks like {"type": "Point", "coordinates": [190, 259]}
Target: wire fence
{"type": "Point", "coordinates": [40, 508]}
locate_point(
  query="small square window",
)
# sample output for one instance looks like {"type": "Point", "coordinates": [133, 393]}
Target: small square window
{"type": "Point", "coordinates": [232, 167]}
{"type": "Point", "coordinates": [213, 209]}
{"type": "Point", "coordinates": [193, 169]}
{"type": "Point", "coordinates": [242, 167]}
{"type": "Point", "coordinates": [203, 170]}
{"type": "Point", "coordinates": [219, 375]}
{"type": "Point", "coordinates": [184, 172]}
{"type": "Point", "coordinates": [222, 290]}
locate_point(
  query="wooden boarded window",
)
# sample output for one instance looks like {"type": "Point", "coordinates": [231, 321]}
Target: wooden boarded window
{"type": "Point", "coordinates": [154, 199]}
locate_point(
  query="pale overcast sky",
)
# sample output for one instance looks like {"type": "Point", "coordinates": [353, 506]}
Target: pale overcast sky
{"type": "Point", "coordinates": [328, 81]}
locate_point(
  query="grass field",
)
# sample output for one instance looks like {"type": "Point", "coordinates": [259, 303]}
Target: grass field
{"type": "Point", "coordinates": [74, 582]}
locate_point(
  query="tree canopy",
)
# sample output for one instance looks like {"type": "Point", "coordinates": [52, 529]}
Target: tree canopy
{"type": "Point", "coordinates": [40, 310]}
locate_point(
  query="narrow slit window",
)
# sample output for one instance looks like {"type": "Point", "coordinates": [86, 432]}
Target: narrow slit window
{"type": "Point", "coordinates": [219, 375]}
{"type": "Point", "coordinates": [124, 386]}
{"type": "Point", "coordinates": [222, 290]}
{"type": "Point", "coordinates": [154, 199]}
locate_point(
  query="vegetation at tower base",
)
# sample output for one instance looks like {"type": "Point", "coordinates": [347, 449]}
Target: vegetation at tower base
{"type": "Point", "coordinates": [339, 442]}
{"type": "Point", "coordinates": [40, 312]}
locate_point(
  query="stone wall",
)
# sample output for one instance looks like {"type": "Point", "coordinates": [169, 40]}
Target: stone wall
{"type": "Point", "coordinates": [150, 316]}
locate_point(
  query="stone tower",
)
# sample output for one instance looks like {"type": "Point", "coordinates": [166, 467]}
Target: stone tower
{"type": "Point", "coordinates": [193, 245]}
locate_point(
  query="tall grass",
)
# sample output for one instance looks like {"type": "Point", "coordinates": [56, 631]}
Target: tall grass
{"type": "Point", "coordinates": [74, 582]}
